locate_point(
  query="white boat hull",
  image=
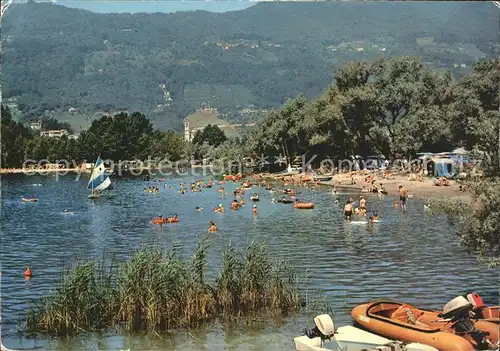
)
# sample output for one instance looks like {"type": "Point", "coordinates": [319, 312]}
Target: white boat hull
{"type": "Point", "coordinates": [349, 338]}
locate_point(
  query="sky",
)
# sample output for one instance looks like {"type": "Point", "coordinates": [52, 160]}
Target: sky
{"type": "Point", "coordinates": [165, 6]}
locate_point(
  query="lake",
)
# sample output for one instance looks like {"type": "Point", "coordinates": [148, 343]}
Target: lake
{"type": "Point", "coordinates": [411, 256]}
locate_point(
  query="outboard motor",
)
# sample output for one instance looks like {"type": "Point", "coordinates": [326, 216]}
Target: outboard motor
{"type": "Point", "coordinates": [324, 328]}
{"type": "Point", "coordinates": [475, 300]}
{"type": "Point", "coordinates": [457, 310]}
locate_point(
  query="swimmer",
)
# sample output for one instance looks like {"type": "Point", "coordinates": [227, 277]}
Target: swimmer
{"type": "Point", "coordinates": [235, 205]}
{"type": "Point", "coordinates": [197, 209]}
{"type": "Point", "coordinates": [374, 217]}
{"type": "Point", "coordinates": [219, 208]}
{"type": "Point", "coordinates": [254, 210]}
{"type": "Point", "coordinates": [212, 227]}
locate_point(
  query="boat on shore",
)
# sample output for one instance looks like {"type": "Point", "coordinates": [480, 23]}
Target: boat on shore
{"type": "Point", "coordinates": [322, 178]}
{"type": "Point", "coordinates": [450, 330]}
{"type": "Point", "coordinates": [324, 337]}
{"type": "Point", "coordinates": [290, 171]}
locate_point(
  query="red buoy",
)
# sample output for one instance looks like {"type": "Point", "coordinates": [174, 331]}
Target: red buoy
{"type": "Point", "coordinates": [27, 272]}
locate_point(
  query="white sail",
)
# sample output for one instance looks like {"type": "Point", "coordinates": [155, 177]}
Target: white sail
{"type": "Point", "coordinates": [99, 179]}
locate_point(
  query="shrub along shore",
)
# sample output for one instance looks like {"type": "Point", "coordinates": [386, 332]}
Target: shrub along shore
{"type": "Point", "coordinates": [156, 290]}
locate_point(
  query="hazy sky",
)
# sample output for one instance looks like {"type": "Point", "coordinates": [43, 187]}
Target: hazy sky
{"type": "Point", "coordinates": [166, 6]}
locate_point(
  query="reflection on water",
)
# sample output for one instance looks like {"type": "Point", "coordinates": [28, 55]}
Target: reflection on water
{"type": "Point", "coordinates": [408, 256]}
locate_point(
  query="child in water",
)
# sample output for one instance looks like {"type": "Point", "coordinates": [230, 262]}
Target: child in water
{"type": "Point", "coordinates": [374, 217]}
{"type": "Point", "coordinates": [212, 227]}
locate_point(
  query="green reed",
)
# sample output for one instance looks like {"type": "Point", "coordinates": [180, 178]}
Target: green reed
{"type": "Point", "coordinates": [156, 290]}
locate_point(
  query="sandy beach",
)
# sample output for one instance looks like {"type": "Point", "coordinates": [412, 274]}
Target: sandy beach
{"type": "Point", "coordinates": [424, 189]}
{"type": "Point", "coordinates": [38, 170]}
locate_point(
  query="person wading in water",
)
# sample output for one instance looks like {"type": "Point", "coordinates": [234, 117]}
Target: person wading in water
{"type": "Point", "coordinates": [348, 210]}
{"type": "Point", "coordinates": [403, 196]}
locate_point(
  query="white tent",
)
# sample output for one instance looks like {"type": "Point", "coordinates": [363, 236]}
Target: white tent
{"type": "Point", "coordinates": [460, 151]}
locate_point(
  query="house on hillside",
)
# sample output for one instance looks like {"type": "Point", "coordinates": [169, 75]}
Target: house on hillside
{"type": "Point", "coordinates": [54, 133]}
{"type": "Point", "coordinates": [36, 126]}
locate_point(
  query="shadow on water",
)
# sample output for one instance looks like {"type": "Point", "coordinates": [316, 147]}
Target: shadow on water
{"type": "Point", "coordinates": [409, 256]}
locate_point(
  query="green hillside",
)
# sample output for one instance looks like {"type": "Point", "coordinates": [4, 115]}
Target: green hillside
{"type": "Point", "coordinates": [168, 65]}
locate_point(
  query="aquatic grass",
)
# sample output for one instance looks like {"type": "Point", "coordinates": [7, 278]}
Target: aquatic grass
{"type": "Point", "coordinates": [83, 300]}
{"type": "Point", "coordinates": [156, 290]}
{"type": "Point", "coordinates": [255, 282]}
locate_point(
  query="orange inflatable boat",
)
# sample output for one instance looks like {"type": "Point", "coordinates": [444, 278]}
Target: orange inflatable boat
{"type": "Point", "coordinates": [303, 205]}
{"type": "Point", "coordinates": [450, 330]}
{"type": "Point", "coordinates": [165, 220]}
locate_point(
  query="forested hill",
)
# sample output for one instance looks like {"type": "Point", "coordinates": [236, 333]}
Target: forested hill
{"type": "Point", "coordinates": [167, 65]}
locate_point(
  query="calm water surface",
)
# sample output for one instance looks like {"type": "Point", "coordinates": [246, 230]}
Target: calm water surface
{"type": "Point", "coordinates": [411, 256]}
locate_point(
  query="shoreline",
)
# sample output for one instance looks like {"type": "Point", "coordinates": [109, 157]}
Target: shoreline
{"type": "Point", "coordinates": [425, 189]}
{"type": "Point", "coordinates": [39, 171]}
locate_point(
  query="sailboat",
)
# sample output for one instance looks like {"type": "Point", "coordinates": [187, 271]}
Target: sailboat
{"type": "Point", "coordinates": [99, 179]}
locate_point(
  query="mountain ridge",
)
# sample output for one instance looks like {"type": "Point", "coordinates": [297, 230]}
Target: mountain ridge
{"type": "Point", "coordinates": [57, 57]}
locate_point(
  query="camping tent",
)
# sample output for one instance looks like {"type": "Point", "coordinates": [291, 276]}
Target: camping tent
{"type": "Point", "coordinates": [440, 167]}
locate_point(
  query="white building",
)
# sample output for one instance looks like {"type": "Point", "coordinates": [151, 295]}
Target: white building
{"type": "Point", "coordinates": [36, 125]}
{"type": "Point", "coordinates": [54, 133]}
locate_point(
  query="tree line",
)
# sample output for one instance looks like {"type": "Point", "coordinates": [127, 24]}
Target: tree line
{"type": "Point", "coordinates": [119, 137]}
{"type": "Point", "coordinates": [395, 107]}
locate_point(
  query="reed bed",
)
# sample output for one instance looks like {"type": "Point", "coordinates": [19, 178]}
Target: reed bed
{"type": "Point", "coordinates": [156, 290]}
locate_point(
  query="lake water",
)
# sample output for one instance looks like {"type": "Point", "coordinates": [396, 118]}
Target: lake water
{"type": "Point", "coordinates": [410, 256]}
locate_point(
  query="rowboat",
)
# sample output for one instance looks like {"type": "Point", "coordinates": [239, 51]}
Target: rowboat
{"type": "Point", "coordinates": [322, 178]}
{"type": "Point", "coordinates": [450, 330]}
{"type": "Point", "coordinates": [284, 201]}
{"type": "Point", "coordinates": [324, 337]}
